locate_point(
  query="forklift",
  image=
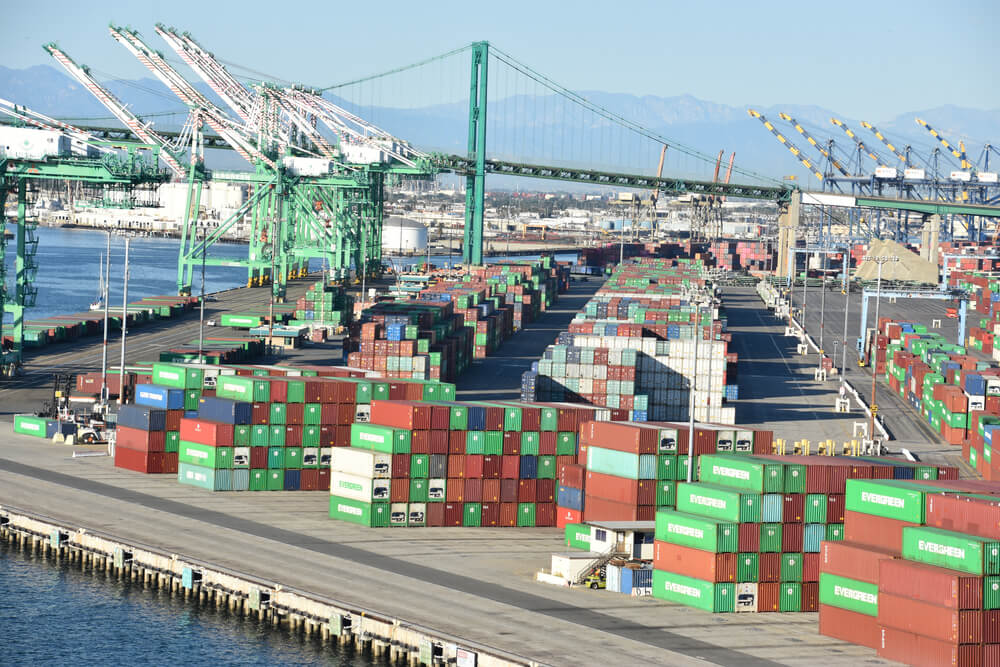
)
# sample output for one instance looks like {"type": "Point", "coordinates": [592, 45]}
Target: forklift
{"type": "Point", "coordinates": [93, 427]}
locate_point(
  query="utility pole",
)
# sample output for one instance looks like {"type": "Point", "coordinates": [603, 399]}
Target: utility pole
{"type": "Point", "coordinates": [121, 367]}
{"type": "Point", "coordinates": [694, 387]}
{"type": "Point", "coordinates": [104, 350]}
{"type": "Point", "coordinates": [880, 260]}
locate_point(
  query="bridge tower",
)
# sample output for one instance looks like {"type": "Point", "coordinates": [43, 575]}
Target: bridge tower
{"type": "Point", "coordinates": [788, 224]}
{"type": "Point", "coordinates": [475, 183]}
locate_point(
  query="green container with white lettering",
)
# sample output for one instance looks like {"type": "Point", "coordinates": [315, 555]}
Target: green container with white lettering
{"type": "Point", "coordinates": [697, 532]}
{"type": "Point", "coordinates": [955, 551]}
{"type": "Point", "coordinates": [204, 455]}
{"type": "Point", "coordinates": [178, 376]}
{"type": "Point", "coordinates": [741, 472]}
{"type": "Point", "coordinates": [373, 515]}
{"type": "Point", "coordinates": [697, 593]}
{"type": "Point", "coordinates": [719, 502]}
{"type": "Point", "coordinates": [791, 567]}
{"type": "Point", "coordinates": [747, 567]}
{"type": "Point", "coordinates": [578, 536]}
{"type": "Point", "coordinates": [849, 594]}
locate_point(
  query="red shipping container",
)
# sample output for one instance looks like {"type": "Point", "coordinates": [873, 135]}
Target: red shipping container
{"type": "Point", "coordinates": [508, 490]}
{"type": "Point", "coordinates": [508, 515]}
{"type": "Point", "coordinates": [572, 476]}
{"type": "Point", "coordinates": [810, 567]}
{"type": "Point", "coordinates": [324, 479]}
{"type": "Point", "coordinates": [510, 467]}
{"type": "Point", "coordinates": [293, 436]}
{"type": "Point", "coordinates": [400, 466]}
{"type": "Point", "coordinates": [453, 513]}
{"type": "Point", "coordinates": [622, 437]}
{"type": "Point", "coordinates": [491, 467]}
{"type": "Point", "coordinates": [473, 490]}
{"type": "Point", "coordinates": [456, 467]}
{"type": "Point", "coordinates": [491, 490]}
{"type": "Point", "coordinates": [769, 567]}
{"type": "Point", "coordinates": [420, 442]}
{"type": "Point", "coordinates": [920, 651]}
{"type": "Point", "coordinates": [974, 516]}
{"type": "Point", "coordinates": [609, 487]}
{"type": "Point", "coordinates": [261, 414]}
{"type": "Point", "coordinates": [511, 443]}
{"type": "Point", "coordinates": [835, 506]}
{"type": "Point", "coordinates": [852, 560]}
{"type": "Point", "coordinates": [565, 516]}
{"type": "Point", "coordinates": [991, 626]}
{"type": "Point", "coordinates": [599, 509]}
{"type": "Point", "coordinates": [401, 414]}
{"type": "Point", "coordinates": [399, 490]}
{"type": "Point", "coordinates": [150, 463]}
{"type": "Point", "coordinates": [748, 539]}
{"type": "Point", "coordinates": [705, 565]}
{"type": "Point", "coordinates": [794, 508]}
{"type": "Point", "coordinates": [547, 444]}
{"type": "Point", "coordinates": [438, 442]}
{"type": "Point", "coordinates": [473, 468]}
{"type": "Point", "coordinates": [930, 620]}
{"type": "Point", "coordinates": [490, 514]}
{"type": "Point", "coordinates": [309, 480]}
{"type": "Point", "coordinates": [545, 515]}
{"type": "Point", "coordinates": [562, 461]}
{"type": "Point", "coordinates": [768, 597]}
{"type": "Point", "coordinates": [456, 442]}
{"type": "Point", "coordinates": [933, 585]}
{"type": "Point", "coordinates": [526, 491]}
{"type": "Point", "coordinates": [258, 457]}
{"type": "Point", "coordinates": [170, 462]}
{"type": "Point", "coordinates": [440, 417]}
{"type": "Point", "coordinates": [455, 490]}
{"type": "Point", "coordinates": [849, 626]}
{"type": "Point", "coordinates": [875, 531]}
{"type": "Point", "coordinates": [435, 514]}
{"type": "Point", "coordinates": [791, 537]}
{"type": "Point", "coordinates": [810, 596]}
{"type": "Point", "coordinates": [545, 490]}
{"type": "Point", "coordinates": [174, 420]}
{"type": "Point", "coordinates": [202, 431]}
{"type": "Point", "coordinates": [139, 440]}
{"type": "Point", "coordinates": [295, 413]}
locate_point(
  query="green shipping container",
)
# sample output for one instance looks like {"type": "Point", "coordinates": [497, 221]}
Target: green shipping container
{"type": "Point", "coordinates": [204, 455]}
{"type": "Point", "coordinates": [33, 426]}
{"type": "Point", "coordinates": [296, 391]}
{"type": "Point", "coordinates": [191, 399]}
{"type": "Point", "coordinates": [420, 465]}
{"type": "Point", "coordinates": [173, 442]}
{"type": "Point", "coordinates": [239, 321]}
{"type": "Point", "coordinates": [374, 515]}
{"type": "Point", "coordinates": [275, 479]}
{"type": "Point", "coordinates": [201, 477]}
{"type": "Point", "coordinates": [275, 458]}
{"type": "Point", "coordinates": [886, 499]}
{"type": "Point", "coordinates": [815, 511]}
{"type": "Point", "coordinates": [472, 516]}
{"type": "Point", "coordinates": [546, 467]}
{"type": "Point", "coordinates": [666, 465]}
{"type": "Point", "coordinates": [566, 443]}
{"type": "Point", "coordinates": [747, 567]}
{"type": "Point", "coordinates": [258, 480]}
{"type": "Point", "coordinates": [383, 439]}
{"type": "Point", "coordinates": [578, 536]}
{"type": "Point", "coordinates": [704, 595]}
{"type": "Point", "coordinates": [178, 376]}
{"type": "Point", "coordinates": [850, 594]}
{"type": "Point", "coordinates": [276, 436]}
{"type": "Point", "coordinates": [697, 532]}
{"type": "Point", "coordinates": [770, 537]}
{"type": "Point", "coordinates": [791, 596]}
{"type": "Point", "coordinates": [991, 592]}
{"type": "Point", "coordinates": [418, 490]}
{"type": "Point", "coordinates": [278, 414]}
{"type": "Point", "coordinates": [718, 502]}
{"type": "Point", "coordinates": [293, 457]}
{"type": "Point", "coordinates": [311, 436]}
{"type": "Point", "coordinates": [741, 472]}
{"type": "Point", "coordinates": [955, 551]}
{"type": "Point", "coordinates": [529, 443]}
{"type": "Point", "coordinates": [791, 567]}
{"type": "Point", "coordinates": [241, 436]}
{"type": "Point", "coordinates": [795, 478]}
{"type": "Point", "coordinates": [526, 515]}
{"type": "Point", "coordinates": [666, 493]}
{"type": "Point", "coordinates": [313, 414]}
{"type": "Point", "coordinates": [260, 435]}
{"type": "Point", "coordinates": [835, 532]}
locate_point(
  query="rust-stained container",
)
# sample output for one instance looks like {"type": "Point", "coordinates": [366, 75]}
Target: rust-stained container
{"type": "Point", "coordinates": [848, 626]}
{"type": "Point", "coordinates": [454, 491]}
{"type": "Point", "coordinates": [456, 467]}
{"type": "Point", "coordinates": [810, 595]}
{"type": "Point", "coordinates": [810, 567]}
{"type": "Point", "coordinates": [769, 569]}
{"type": "Point", "coordinates": [545, 515]}
{"type": "Point", "coordinates": [572, 476]}
{"type": "Point", "coordinates": [401, 414]}
{"type": "Point", "coordinates": [704, 565]}
{"type": "Point", "coordinates": [139, 440]}
{"type": "Point", "coordinates": [473, 468]}
{"type": "Point", "coordinates": [453, 513]}
{"type": "Point", "coordinates": [508, 490]}
{"type": "Point", "coordinates": [491, 491]}
{"type": "Point", "coordinates": [768, 596]}
{"type": "Point", "coordinates": [623, 437]}
{"type": "Point", "coordinates": [545, 491]}
{"type": "Point", "coordinates": [791, 537]}
{"type": "Point", "coordinates": [920, 651]}
{"type": "Point", "coordinates": [852, 560]}
{"type": "Point", "coordinates": [508, 515]}
{"type": "Point", "coordinates": [490, 514]}
{"type": "Point", "coordinates": [401, 466]}
{"type": "Point", "coordinates": [793, 508]}
{"type": "Point", "coordinates": [473, 490]}
{"type": "Point", "coordinates": [435, 514]}
{"type": "Point", "coordinates": [875, 531]}
{"type": "Point", "coordinates": [927, 583]}
{"type": "Point", "coordinates": [599, 509]}
{"type": "Point", "coordinates": [609, 487]}
{"type": "Point", "coordinates": [526, 490]}
{"type": "Point", "coordinates": [399, 490]}
{"type": "Point", "coordinates": [930, 620]}
{"type": "Point", "coordinates": [748, 537]}
{"type": "Point", "coordinates": [491, 467]}
{"type": "Point", "coordinates": [962, 514]}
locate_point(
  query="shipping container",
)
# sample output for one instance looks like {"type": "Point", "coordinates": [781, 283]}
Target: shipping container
{"type": "Point", "coordinates": [704, 595]}
{"type": "Point", "coordinates": [850, 594]}
{"type": "Point", "coordinates": [930, 584]}
{"type": "Point", "coordinates": [705, 565]}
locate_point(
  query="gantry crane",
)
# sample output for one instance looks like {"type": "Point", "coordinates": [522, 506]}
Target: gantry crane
{"type": "Point", "coordinates": [958, 153]}
{"type": "Point", "coordinates": [788, 144]}
{"type": "Point", "coordinates": [862, 148]}
{"type": "Point", "coordinates": [903, 158]}
{"type": "Point", "coordinates": [815, 144]}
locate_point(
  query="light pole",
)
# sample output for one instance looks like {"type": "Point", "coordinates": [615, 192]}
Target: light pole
{"type": "Point", "coordinates": [880, 260]}
{"type": "Point", "coordinates": [847, 302]}
{"type": "Point", "coordinates": [822, 311]}
{"type": "Point", "coordinates": [691, 399]}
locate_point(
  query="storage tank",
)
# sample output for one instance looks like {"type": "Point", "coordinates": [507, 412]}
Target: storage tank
{"type": "Point", "coordinates": [403, 235]}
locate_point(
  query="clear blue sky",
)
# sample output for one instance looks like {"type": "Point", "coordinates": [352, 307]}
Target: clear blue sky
{"type": "Point", "coordinates": [865, 59]}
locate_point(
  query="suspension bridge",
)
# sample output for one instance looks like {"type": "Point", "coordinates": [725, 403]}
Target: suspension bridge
{"type": "Point", "coordinates": [318, 159]}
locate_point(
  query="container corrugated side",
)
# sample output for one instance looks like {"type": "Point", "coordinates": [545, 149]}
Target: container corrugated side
{"type": "Point", "coordinates": [886, 499]}
{"type": "Point", "coordinates": [361, 462]}
{"type": "Point", "coordinates": [850, 594]}
{"type": "Point", "coordinates": [695, 531]}
{"type": "Point", "coordinates": [696, 593]}
{"type": "Point", "coordinates": [956, 551]}
{"type": "Point", "coordinates": [931, 584]}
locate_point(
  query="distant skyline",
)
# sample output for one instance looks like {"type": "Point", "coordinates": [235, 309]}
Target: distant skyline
{"type": "Point", "coordinates": [870, 60]}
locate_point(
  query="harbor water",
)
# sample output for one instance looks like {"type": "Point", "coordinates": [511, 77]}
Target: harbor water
{"type": "Point", "coordinates": [55, 614]}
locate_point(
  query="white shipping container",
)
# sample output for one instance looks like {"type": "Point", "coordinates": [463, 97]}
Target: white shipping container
{"type": "Point", "coordinates": [33, 144]}
{"type": "Point", "coordinates": [987, 177]}
{"type": "Point", "coordinates": [885, 172]}
{"type": "Point", "coordinates": [914, 174]}
{"type": "Point", "coordinates": [306, 166]}
{"type": "Point", "coordinates": [361, 462]}
{"type": "Point", "coordinates": [358, 487]}
{"type": "Point", "coordinates": [360, 154]}
{"type": "Point", "coordinates": [963, 176]}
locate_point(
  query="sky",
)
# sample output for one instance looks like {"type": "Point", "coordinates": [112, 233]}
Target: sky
{"type": "Point", "coordinates": [866, 59]}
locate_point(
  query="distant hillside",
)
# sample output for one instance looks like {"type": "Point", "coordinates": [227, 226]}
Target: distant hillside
{"type": "Point", "coordinates": [706, 126]}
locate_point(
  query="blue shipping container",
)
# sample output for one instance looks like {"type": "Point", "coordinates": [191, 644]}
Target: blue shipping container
{"type": "Point", "coordinates": [156, 396]}
{"type": "Point", "coordinates": [224, 410]}
{"type": "Point", "coordinates": [143, 418]}
{"type": "Point", "coordinates": [812, 535]}
{"type": "Point", "coordinates": [772, 507]}
{"type": "Point", "coordinates": [633, 579]}
{"type": "Point", "coordinates": [292, 480]}
{"type": "Point", "coordinates": [570, 498]}
{"type": "Point", "coordinates": [529, 467]}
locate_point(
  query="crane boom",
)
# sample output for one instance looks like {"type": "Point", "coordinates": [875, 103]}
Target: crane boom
{"type": "Point", "coordinates": [868, 126]}
{"type": "Point", "coordinates": [788, 144]}
{"type": "Point", "coordinates": [861, 145]}
{"type": "Point", "coordinates": [729, 170]}
{"type": "Point", "coordinates": [142, 130]}
{"type": "Point", "coordinates": [43, 122]}
{"type": "Point", "coordinates": [815, 144]}
{"type": "Point", "coordinates": [959, 154]}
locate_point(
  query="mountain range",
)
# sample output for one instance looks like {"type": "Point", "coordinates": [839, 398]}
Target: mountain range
{"type": "Point", "coordinates": [523, 127]}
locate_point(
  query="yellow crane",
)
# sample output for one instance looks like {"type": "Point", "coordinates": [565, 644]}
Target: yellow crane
{"type": "Point", "coordinates": [788, 144]}
{"type": "Point", "coordinates": [868, 126]}
{"type": "Point", "coordinates": [861, 145]}
{"type": "Point", "coordinates": [808, 137]}
{"type": "Point", "coordinates": [959, 153]}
